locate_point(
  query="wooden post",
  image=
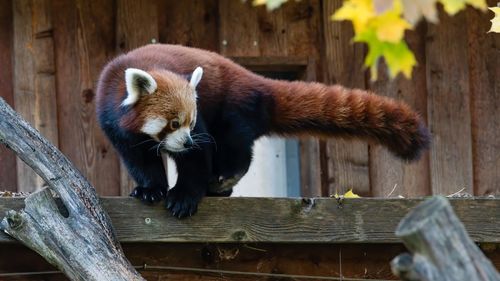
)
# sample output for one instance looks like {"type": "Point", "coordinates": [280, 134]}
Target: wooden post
{"type": "Point", "coordinates": [442, 249]}
{"type": "Point", "coordinates": [78, 237]}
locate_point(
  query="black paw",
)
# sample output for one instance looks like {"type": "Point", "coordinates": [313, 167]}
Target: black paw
{"type": "Point", "coordinates": [182, 204]}
{"type": "Point", "coordinates": [149, 194]}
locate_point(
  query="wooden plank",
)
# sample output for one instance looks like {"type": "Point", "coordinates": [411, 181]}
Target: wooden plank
{"type": "Point", "coordinates": [8, 176]}
{"type": "Point", "coordinates": [303, 28]}
{"type": "Point", "coordinates": [84, 36]}
{"type": "Point", "coordinates": [485, 101]}
{"type": "Point", "coordinates": [189, 23]}
{"type": "Point", "coordinates": [137, 23]}
{"type": "Point", "coordinates": [364, 261]}
{"type": "Point", "coordinates": [284, 220]}
{"type": "Point", "coordinates": [34, 79]}
{"type": "Point", "coordinates": [449, 115]}
{"type": "Point", "coordinates": [390, 175]}
{"type": "Point", "coordinates": [238, 29]}
{"type": "Point", "coordinates": [348, 161]}
{"type": "Point", "coordinates": [353, 261]}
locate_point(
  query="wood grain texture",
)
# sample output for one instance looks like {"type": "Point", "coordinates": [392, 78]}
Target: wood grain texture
{"type": "Point", "coordinates": [189, 23]}
{"type": "Point", "coordinates": [282, 220]}
{"type": "Point", "coordinates": [238, 29]}
{"type": "Point", "coordinates": [84, 35]}
{"type": "Point", "coordinates": [387, 172]}
{"type": "Point", "coordinates": [8, 175]}
{"type": "Point", "coordinates": [348, 161]}
{"type": "Point", "coordinates": [484, 76]}
{"type": "Point", "coordinates": [137, 25]}
{"type": "Point", "coordinates": [449, 114]}
{"type": "Point", "coordinates": [368, 261]}
{"type": "Point", "coordinates": [34, 76]}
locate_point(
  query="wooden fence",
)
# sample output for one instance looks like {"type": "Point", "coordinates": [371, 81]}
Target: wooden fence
{"type": "Point", "coordinates": [51, 53]}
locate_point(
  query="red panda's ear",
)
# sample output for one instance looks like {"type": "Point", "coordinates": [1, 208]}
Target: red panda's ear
{"type": "Point", "coordinates": [196, 76]}
{"type": "Point", "coordinates": [137, 82]}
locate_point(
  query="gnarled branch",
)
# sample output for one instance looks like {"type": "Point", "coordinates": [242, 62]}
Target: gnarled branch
{"type": "Point", "coordinates": [82, 242]}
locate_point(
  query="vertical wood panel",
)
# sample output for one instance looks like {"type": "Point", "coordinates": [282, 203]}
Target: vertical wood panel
{"type": "Point", "coordinates": [137, 23]}
{"type": "Point", "coordinates": [484, 60]}
{"type": "Point", "coordinates": [189, 23]}
{"type": "Point", "coordinates": [84, 35]}
{"type": "Point", "coordinates": [347, 159]}
{"type": "Point", "coordinates": [449, 106]}
{"type": "Point", "coordinates": [34, 80]}
{"type": "Point", "coordinates": [8, 176]}
{"type": "Point", "coordinates": [239, 31]}
{"type": "Point", "coordinates": [389, 173]}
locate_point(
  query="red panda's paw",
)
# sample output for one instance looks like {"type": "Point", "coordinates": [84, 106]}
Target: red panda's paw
{"type": "Point", "coordinates": [149, 194]}
{"type": "Point", "coordinates": [181, 202]}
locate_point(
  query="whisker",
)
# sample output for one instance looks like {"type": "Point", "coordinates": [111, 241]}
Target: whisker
{"type": "Point", "coordinates": [142, 142]}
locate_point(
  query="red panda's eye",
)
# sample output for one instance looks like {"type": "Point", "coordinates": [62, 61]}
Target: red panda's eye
{"type": "Point", "coordinates": [175, 124]}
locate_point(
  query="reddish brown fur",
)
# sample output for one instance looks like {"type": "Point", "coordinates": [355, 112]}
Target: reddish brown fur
{"type": "Point", "coordinates": [344, 112]}
{"type": "Point", "coordinates": [299, 108]}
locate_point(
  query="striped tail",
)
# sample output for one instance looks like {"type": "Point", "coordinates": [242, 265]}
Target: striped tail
{"type": "Point", "coordinates": [302, 108]}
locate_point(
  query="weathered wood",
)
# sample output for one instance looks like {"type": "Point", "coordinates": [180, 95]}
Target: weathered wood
{"type": "Point", "coordinates": [442, 250]}
{"type": "Point", "coordinates": [190, 23]}
{"type": "Point", "coordinates": [8, 176]}
{"type": "Point", "coordinates": [368, 261]}
{"type": "Point", "coordinates": [83, 34]}
{"type": "Point", "coordinates": [347, 160]}
{"type": "Point", "coordinates": [484, 76]}
{"type": "Point", "coordinates": [238, 35]}
{"type": "Point", "coordinates": [137, 23]}
{"type": "Point", "coordinates": [34, 77]}
{"type": "Point", "coordinates": [390, 176]}
{"type": "Point", "coordinates": [449, 106]}
{"type": "Point", "coordinates": [282, 220]}
{"type": "Point", "coordinates": [76, 238]}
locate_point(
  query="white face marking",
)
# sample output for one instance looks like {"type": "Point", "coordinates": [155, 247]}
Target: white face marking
{"type": "Point", "coordinates": [175, 141]}
{"type": "Point", "coordinates": [137, 81]}
{"type": "Point", "coordinates": [153, 126]}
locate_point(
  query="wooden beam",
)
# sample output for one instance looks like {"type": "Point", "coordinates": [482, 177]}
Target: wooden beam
{"type": "Point", "coordinates": [389, 175]}
{"type": "Point", "coordinates": [449, 105]}
{"type": "Point", "coordinates": [34, 77]}
{"type": "Point", "coordinates": [348, 160]}
{"type": "Point", "coordinates": [485, 101]}
{"type": "Point", "coordinates": [8, 178]}
{"type": "Point", "coordinates": [283, 220]}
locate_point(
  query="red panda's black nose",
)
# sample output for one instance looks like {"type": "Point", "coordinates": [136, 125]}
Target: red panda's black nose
{"type": "Point", "coordinates": [188, 143]}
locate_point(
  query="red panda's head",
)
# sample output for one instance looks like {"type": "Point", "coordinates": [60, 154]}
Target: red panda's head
{"type": "Point", "coordinates": [162, 105]}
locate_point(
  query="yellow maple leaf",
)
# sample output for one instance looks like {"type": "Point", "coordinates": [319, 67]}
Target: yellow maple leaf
{"type": "Point", "coordinates": [389, 25]}
{"type": "Point", "coordinates": [348, 194]}
{"type": "Point", "coordinates": [357, 11]}
{"type": "Point", "coordinates": [495, 22]}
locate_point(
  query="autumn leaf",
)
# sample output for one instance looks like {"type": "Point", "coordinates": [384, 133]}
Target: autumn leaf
{"type": "Point", "coordinates": [398, 56]}
{"type": "Point", "coordinates": [389, 25]}
{"type": "Point", "coordinates": [348, 194]}
{"type": "Point", "coordinates": [413, 10]}
{"type": "Point", "coordinates": [359, 12]}
{"type": "Point", "coordinates": [495, 22]}
{"type": "Point", "coordinates": [454, 6]}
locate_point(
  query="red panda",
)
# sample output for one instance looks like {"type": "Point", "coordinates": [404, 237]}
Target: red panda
{"type": "Point", "coordinates": [205, 111]}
